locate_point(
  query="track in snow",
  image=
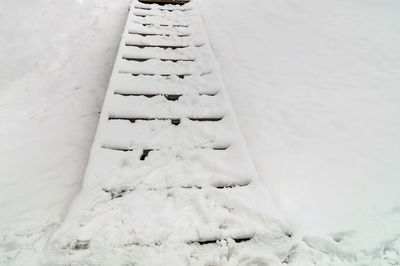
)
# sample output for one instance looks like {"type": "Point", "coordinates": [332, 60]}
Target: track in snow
{"type": "Point", "coordinates": [169, 180]}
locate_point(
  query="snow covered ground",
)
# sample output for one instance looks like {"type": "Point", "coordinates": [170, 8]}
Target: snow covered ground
{"type": "Point", "coordinates": [314, 85]}
{"type": "Point", "coordinates": [55, 62]}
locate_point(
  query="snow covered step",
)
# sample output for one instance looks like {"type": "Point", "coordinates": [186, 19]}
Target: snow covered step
{"type": "Point", "coordinates": [144, 54]}
{"type": "Point", "coordinates": [141, 84]}
{"type": "Point", "coordinates": [168, 176]}
{"type": "Point", "coordinates": [164, 18]}
{"type": "Point", "coordinates": [164, 168]}
{"type": "Point", "coordinates": [138, 28]}
{"type": "Point", "coordinates": [187, 7]}
{"type": "Point", "coordinates": [174, 55]}
{"type": "Point", "coordinates": [173, 217]}
{"type": "Point", "coordinates": [172, 42]}
{"type": "Point", "coordinates": [161, 12]}
{"type": "Point", "coordinates": [187, 106]}
{"type": "Point", "coordinates": [162, 67]}
{"type": "Point", "coordinates": [161, 21]}
{"type": "Point", "coordinates": [156, 134]}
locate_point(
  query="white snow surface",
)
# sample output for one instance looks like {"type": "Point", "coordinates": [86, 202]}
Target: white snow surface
{"type": "Point", "coordinates": [314, 85]}
{"type": "Point", "coordinates": [56, 58]}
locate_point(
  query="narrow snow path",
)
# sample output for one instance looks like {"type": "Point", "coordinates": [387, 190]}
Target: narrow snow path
{"type": "Point", "coordinates": [169, 177]}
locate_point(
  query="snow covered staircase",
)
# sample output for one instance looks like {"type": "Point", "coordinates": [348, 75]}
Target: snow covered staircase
{"type": "Point", "coordinates": [169, 180]}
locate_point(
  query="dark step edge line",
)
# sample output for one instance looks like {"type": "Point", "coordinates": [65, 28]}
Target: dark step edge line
{"type": "Point", "coordinates": [116, 193]}
{"type": "Point", "coordinates": [84, 244]}
{"type": "Point", "coordinates": [146, 24]}
{"type": "Point", "coordinates": [181, 75]}
{"type": "Point", "coordinates": [239, 239]}
{"type": "Point", "coordinates": [169, 97]}
{"type": "Point", "coordinates": [143, 15]}
{"type": "Point", "coordinates": [161, 59]}
{"type": "Point", "coordinates": [160, 34]}
{"type": "Point", "coordinates": [163, 2]}
{"type": "Point", "coordinates": [172, 47]}
{"type": "Point", "coordinates": [163, 46]}
{"type": "Point", "coordinates": [146, 151]}
{"type": "Point", "coordinates": [149, 15]}
{"type": "Point", "coordinates": [162, 9]}
{"type": "Point", "coordinates": [174, 121]}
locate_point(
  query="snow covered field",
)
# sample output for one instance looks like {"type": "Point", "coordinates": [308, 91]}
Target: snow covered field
{"type": "Point", "coordinates": [55, 62]}
{"type": "Point", "coordinates": [314, 86]}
